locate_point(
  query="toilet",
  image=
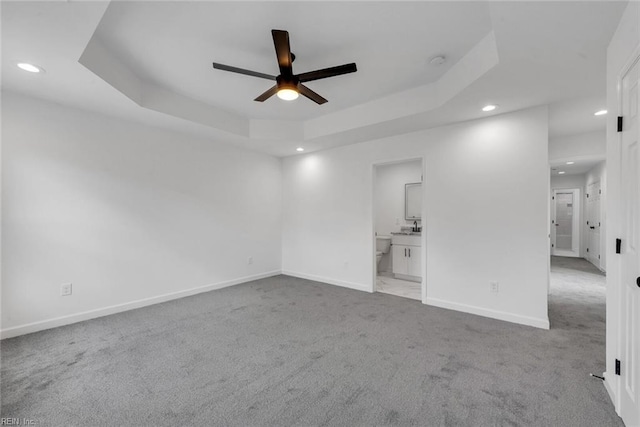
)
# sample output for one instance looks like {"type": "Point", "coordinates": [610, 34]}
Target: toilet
{"type": "Point", "coordinates": [383, 244]}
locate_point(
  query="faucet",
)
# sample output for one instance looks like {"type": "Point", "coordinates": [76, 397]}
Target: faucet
{"type": "Point", "coordinates": [415, 226]}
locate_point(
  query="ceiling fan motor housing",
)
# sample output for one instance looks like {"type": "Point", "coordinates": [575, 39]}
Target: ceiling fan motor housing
{"type": "Point", "coordinates": [287, 82]}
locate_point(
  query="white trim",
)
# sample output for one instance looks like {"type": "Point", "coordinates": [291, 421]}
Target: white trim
{"type": "Point", "coordinates": [351, 285]}
{"type": "Point", "coordinates": [425, 230]}
{"type": "Point", "coordinates": [374, 232]}
{"type": "Point", "coordinates": [118, 308]}
{"type": "Point", "coordinates": [423, 222]}
{"type": "Point", "coordinates": [610, 387]}
{"type": "Point", "coordinates": [494, 314]}
{"type": "Point", "coordinates": [567, 254]}
{"type": "Point", "coordinates": [635, 57]}
{"type": "Point", "coordinates": [616, 390]}
{"type": "Point", "coordinates": [576, 223]}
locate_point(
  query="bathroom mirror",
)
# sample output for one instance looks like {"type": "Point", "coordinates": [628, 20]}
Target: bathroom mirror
{"type": "Point", "coordinates": [413, 201]}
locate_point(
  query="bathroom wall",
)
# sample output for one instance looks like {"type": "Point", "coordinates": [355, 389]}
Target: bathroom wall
{"type": "Point", "coordinates": [389, 199]}
{"type": "Point", "coordinates": [389, 193]}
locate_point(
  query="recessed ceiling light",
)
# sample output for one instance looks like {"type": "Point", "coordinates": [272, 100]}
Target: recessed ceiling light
{"type": "Point", "coordinates": [489, 107]}
{"type": "Point", "coordinates": [30, 67]}
{"type": "Point", "coordinates": [438, 60]}
{"type": "Point", "coordinates": [561, 173]}
{"type": "Point", "coordinates": [570, 163]}
{"type": "Point", "coordinates": [600, 113]}
{"type": "Point", "coordinates": [300, 149]}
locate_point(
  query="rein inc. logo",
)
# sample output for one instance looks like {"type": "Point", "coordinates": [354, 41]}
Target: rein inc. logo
{"type": "Point", "coordinates": [5, 421]}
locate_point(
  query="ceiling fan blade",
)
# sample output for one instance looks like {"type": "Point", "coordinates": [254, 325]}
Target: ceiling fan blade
{"type": "Point", "coordinates": [268, 94]}
{"type": "Point", "coordinates": [283, 51]}
{"type": "Point", "coordinates": [243, 71]}
{"type": "Point", "coordinates": [311, 94]}
{"type": "Point", "coordinates": [328, 72]}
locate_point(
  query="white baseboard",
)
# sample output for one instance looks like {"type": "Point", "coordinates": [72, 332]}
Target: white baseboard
{"type": "Point", "coordinates": [565, 253]}
{"type": "Point", "coordinates": [610, 390]}
{"type": "Point", "coordinates": [599, 267]}
{"type": "Point", "coordinates": [494, 314]}
{"type": "Point", "coordinates": [105, 311]}
{"type": "Point", "coordinates": [350, 285]}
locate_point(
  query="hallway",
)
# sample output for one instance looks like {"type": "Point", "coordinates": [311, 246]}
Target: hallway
{"type": "Point", "coordinates": [577, 299]}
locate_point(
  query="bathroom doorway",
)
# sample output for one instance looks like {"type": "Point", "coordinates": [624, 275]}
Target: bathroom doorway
{"type": "Point", "coordinates": [399, 239]}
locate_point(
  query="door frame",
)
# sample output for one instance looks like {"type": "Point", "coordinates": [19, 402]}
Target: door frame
{"type": "Point", "coordinates": [576, 235]}
{"type": "Point", "coordinates": [423, 221]}
{"type": "Point", "coordinates": [613, 383]}
{"type": "Point", "coordinates": [590, 255]}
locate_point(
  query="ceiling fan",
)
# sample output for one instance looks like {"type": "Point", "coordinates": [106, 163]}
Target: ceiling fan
{"type": "Point", "coordinates": [288, 85]}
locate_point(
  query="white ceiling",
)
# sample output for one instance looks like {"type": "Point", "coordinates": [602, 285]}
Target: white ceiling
{"type": "Point", "coordinates": [154, 62]}
{"type": "Point", "coordinates": [579, 167]}
{"type": "Point", "coordinates": [576, 116]}
{"type": "Point", "coordinates": [390, 47]}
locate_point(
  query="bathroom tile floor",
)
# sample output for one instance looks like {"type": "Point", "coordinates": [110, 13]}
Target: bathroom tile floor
{"type": "Point", "coordinates": [401, 288]}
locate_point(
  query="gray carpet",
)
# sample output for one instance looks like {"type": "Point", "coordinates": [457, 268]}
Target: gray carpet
{"type": "Point", "coordinates": [284, 351]}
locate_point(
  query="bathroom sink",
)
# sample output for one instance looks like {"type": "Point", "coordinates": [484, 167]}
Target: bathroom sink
{"type": "Point", "coordinates": [403, 239]}
{"type": "Point", "coordinates": [410, 233]}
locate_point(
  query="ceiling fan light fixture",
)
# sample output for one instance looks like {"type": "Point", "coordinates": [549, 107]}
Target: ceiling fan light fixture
{"type": "Point", "coordinates": [287, 88]}
{"type": "Point", "coordinates": [288, 85]}
{"type": "Point", "coordinates": [288, 94]}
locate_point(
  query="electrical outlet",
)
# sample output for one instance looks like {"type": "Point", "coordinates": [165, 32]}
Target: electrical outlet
{"type": "Point", "coordinates": [493, 286]}
{"type": "Point", "coordinates": [250, 260]}
{"type": "Point", "coordinates": [65, 289]}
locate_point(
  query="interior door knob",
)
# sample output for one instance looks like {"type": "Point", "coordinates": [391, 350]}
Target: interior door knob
{"type": "Point", "coordinates": [638, 282]}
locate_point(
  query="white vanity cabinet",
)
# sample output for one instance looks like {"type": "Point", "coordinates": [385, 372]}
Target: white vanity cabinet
{"type": "Point", "coordinates": [407, 256]}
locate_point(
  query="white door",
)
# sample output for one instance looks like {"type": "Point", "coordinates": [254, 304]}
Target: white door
{"type": "Point", "coordinates": [630, 253]}
{"type": "Point", "coordinates": [588, 202]}
{"type": "Point", "coordinates": [597, 223]}
{"type": "Point", "coordinates": [565, 231]}
{"type": "Point", "coordinates": [593, 196]}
